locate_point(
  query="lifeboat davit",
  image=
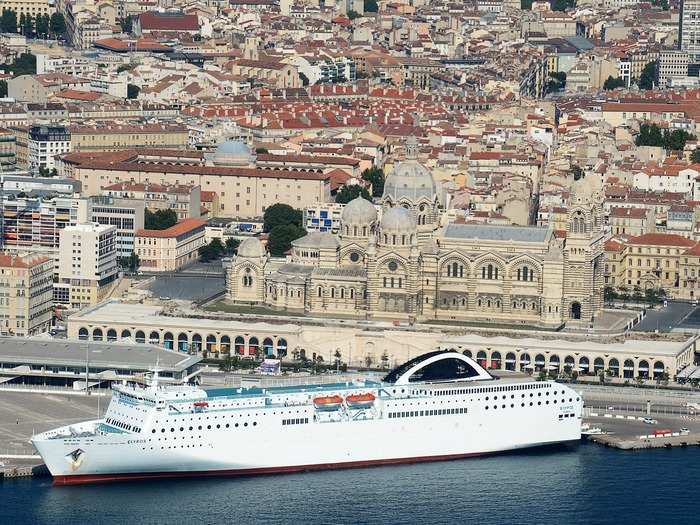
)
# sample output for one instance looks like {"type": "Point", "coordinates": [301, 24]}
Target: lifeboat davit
{"type": "Point", "coordinates": [328, 403]}
{"type": "Point", "coordinates": [360, 400]}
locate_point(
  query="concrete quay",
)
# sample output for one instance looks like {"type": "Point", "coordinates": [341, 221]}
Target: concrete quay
{"type": "Point", "coordinates": [621, 442]}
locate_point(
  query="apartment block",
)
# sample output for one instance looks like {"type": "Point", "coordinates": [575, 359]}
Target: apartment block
{"type": "Point", "coordinates": [127, 215]}
{"type": "Point", "coordinates": [184, 199]}
{"type": "Point", "coordinates": [87, 264]}
{"type": "Point", "coordinates": [26, 284]}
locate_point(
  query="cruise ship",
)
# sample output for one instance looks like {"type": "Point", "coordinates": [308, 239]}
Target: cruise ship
{"type": "Point", "coordinates": [439, 406]}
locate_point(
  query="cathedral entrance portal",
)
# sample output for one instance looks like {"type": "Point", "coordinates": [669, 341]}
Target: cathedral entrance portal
{"type": "Point", "coordinates": [576, 310]}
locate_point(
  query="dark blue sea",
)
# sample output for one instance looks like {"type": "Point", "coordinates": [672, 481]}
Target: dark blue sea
{"type": "Point", "coordinates": [586, 485]}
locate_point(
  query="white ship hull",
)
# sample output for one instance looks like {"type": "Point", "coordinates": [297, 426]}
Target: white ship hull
{"type": "Point", "coordinates": [419, 425]}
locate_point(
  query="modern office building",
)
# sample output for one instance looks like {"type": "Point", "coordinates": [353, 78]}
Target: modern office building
{"type": "Point", "coordinates": [127, 215]}
{"type": "Point", "coordinates": [689, 28]}
{"type": "Point", "coordinates": [87, 264]}
{"type": "Point", "coordinates": [43, 144]}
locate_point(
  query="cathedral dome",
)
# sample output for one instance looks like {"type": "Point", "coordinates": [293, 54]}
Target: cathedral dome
{"type": "Point", "coordinates": [409, 180]}
{"type": "Point", "coordinates": [397, 220]}
{"type": "Point", "coordinates": [233, 152]}
{"type": "Point", "coordinates": [252, 248]}
{"type": "Point", "coordinates": [358, 211]}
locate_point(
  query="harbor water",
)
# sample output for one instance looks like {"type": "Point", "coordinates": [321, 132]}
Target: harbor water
{"type": "Point", "coordinates": [577, 485]}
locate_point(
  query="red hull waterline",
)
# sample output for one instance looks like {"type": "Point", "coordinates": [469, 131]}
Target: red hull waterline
{"type": "Point", "coordinates": [80, 479]}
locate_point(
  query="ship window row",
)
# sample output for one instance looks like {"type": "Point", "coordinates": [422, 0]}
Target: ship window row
{"type": "Point", "coordinates": [296, 421]}
{"type": "Point", "coordinates": [208, 427]}
{"type": "Point", "coordinates": [420, 413]}
{"type": "Point", "coordinates": [563, 416]}
{"type": "Point", "coordinates": [484, 390]}
{"type": "Point", "coordinates": [125, 426]}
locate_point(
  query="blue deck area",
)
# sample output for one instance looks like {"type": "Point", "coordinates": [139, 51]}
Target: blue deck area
{"type": "Point", "coordinates": [256, 391]}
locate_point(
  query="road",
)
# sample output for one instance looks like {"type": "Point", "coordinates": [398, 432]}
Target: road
{"type": "Point", "coordinates": [675, 315]}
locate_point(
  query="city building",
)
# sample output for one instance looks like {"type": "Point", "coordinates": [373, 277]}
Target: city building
{"type": "Point", "coordinates": [127, 215]}
{"type": "Point", "coordinates": [34, 222]}
{"type": "Point", "coordinates": [673, 64]}
{"type": "Point", "coordinates": [113, 137]}
{"type": "Point", "coordinates": [38, 88]}
{"type": "Point", "coordinates": [8, 151]}
{"type": "Point", "coordinates": [87, 264]}
{"type": "Point", "coordinates": [245, 191]}
{"type": "Point", "coordinates": [170, 249]}
{"type": "Point", "coordinates": [406, 266]}
{"type": "Point", "coordinates": [631, 221]}
{"type": "Point", "coordinates": [26, 292]}
{"type": "Point", "coordinates": [27, 7]}
{"type": "Point", "coordinates": [689, 28]}
{"type": "Point", "coordinates": [43, 144]}
{"type": "Point", "coordinates": [184, 199]}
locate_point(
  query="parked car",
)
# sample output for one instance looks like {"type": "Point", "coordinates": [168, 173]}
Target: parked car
{"type": "Point", "coordinates": [650, 421]}
{"type": "Point", "coordinates": [685, 431]}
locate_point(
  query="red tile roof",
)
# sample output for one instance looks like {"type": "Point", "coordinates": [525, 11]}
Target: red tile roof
{"type": "Point", "coordinates": [184, 226]}
{"type": "Point", "coordinates": [153, 21]}
{"type": "Point", "coordinates": [16, 261]}
{"type": "Point", "coordinates": [631, 213]}
{"type": "Point", "coordinates": [661, 239]}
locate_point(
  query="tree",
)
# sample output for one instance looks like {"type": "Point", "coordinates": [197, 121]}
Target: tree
{"type": "Point", "coordinates": [371, 6]}
{"type": "Point", "coordinates": [212, 251]}
{"type": "Point", "coordinates": [3, 88]}
{"type": "Point", "coordinates": [375, 176]}
{"type": "Point", "coordinates": [261, 151]}
{"type": "Point", "coordinates": [160, 220]}
{"type": "Point", "coordinates": [542, 375]}
{"type": "Point", "coordinates": [648, 76]}
{"type": "Point", "coordinates": [609, 294]}
{"type": "Point", "coordinates": [42, 25]}
{"type": "Point", "coordinates": [562, 5]}
{"type": "Point", "coordinates": [26, 23]}
{"type": "Point", "coordinates": [525, 5]}
{"type": "Point", "coordinates": [57, 25]}
{"type": "Point", "coordinates": [281, 237]}
{"type": "Point", "coordinates": [348, 193]}
{"type": "Point", "coordinates": [281, 215]}
{"type": "Point", "coordinates": [577, 172]}
{"type": "Point", "coordinates": [8, 21]}
{"type": "Point", "coordinates": [695, 156]}
{"type": "Point", "coordinates": [352, 15]}
{"type": "Point", "coordinates": [557, 82]}
{"type": "Point", "coordinates": [651, 135]}
{"type": "Point", "coordinates": [25, 64]}
{"type": "Point", "coordinates": [385, 360]}
{"type": "Point", "coordinates": [231, 246]}
{"type": "Point", "coordinates": [132, 91]}
{"type": "Point", "coordinates": [124, 67]}
{"type": "Point", "coordinates": [130, 263]}
{"type": "Point", "coordinates": [601, 376]}
{"type": "Point", "coordinates": [613, 83]}
{"type": "Point", "coordinates": [369, 361]}
{"type": "Point", "coordinates": [127, 24]}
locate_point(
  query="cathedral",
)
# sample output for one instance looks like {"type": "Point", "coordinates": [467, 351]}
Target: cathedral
{"type": "Point", "coordinates": [400, 262]}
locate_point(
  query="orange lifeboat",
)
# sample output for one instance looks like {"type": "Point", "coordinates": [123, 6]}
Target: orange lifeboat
{"type": "Point", "coordinates": [328, 403]}
{"type": "Point", "coordinates": [360, 400]}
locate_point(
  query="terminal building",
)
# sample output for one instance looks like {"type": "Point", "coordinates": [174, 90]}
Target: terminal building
{"type": "Point", "coordinates": [58, 362]}
{"type": "Point", "coordinates": [360, 343]}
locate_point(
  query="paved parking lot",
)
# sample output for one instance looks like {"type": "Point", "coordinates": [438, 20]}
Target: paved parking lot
{"type": "Point", "coordinates": [24, 414]}
{"type": "Point", "coordinates": [186, 287]}
{"type": "Point", "coordinates": [675, 315]}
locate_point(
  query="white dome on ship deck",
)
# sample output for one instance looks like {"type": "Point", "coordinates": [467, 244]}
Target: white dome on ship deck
{"type": "Point", "coordinates": [436, 367]}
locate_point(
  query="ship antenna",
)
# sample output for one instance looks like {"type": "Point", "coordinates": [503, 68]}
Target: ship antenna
{"type": "Point", "coordinates": [154, 380]}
